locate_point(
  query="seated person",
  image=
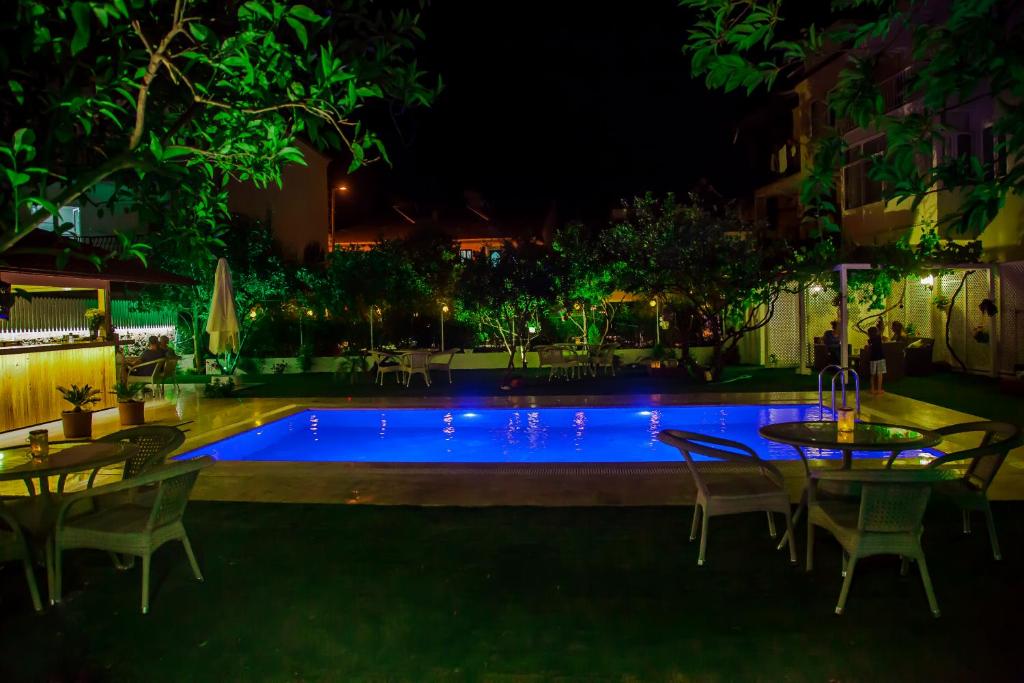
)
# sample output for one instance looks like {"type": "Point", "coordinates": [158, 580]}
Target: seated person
{"type": "Point", "coordinates": [897, 331]}
{"type": "Point", "coordinates": [146, 367]}
{"type": "Point", "coordinates": [166, 348]}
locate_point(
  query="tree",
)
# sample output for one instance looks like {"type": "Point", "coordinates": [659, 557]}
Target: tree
{"type": "Point", "coordinates": [719, 277]}
{"type": "Point", "coordinates": [357, 284]}
{"type": "Point", "coordinates": [962, 51]}
{"type": "Point", "coordinates": [506, 294]}
{"type": "Point", "coordinates": [584, 281]}
{"type": "Point", "coordinates": [143, 92]}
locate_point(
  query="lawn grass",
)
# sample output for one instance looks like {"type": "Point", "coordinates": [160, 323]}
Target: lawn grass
{"type": "Point", "coordinates": [340, 593]}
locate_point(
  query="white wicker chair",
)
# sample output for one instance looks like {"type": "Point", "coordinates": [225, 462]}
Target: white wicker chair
{"type": "Point", "coordinates": [747, 484]}
{"type": "Point", "coordinates": [443, 362]}
{"type": "Point", "coordinates": [887, 520]}
{"type": "Point", "coordinates": [415, 363]}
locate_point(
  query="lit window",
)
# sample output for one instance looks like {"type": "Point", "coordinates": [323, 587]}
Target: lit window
{"type": "Point", "coordinates": [466, 254]}
{"type": "Point", "coordinates": [993, 153]}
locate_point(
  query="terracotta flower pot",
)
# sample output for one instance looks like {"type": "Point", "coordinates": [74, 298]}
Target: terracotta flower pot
{"type": "Point", "coordinates": [77, 425]}
{"type": "Point", "coordinates": [132, 412]}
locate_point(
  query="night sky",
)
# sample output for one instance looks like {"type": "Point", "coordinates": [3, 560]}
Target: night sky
{"type": "Point", "coordinates": [577, 102]}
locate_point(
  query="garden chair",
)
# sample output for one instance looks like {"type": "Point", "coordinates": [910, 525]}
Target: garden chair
{"type": "Point", "coordinates": [154, 444]}
{"type": "Point", "coordinates": [887, 520]}
{"type": "Point", "coordinates": [390, 369]}
{"type": "Point", "coordinates": [604, 357]}
{"type": "Point", "coordinates": [970, 492]}
{"type": "Point", "coordinates": [166, 373]}
{"type": "Point", "coordinates": [746, 484]}
{"type": "Point", "coordinates": [14, 547]}
{"type": "Point", "coordinates": [135, 528]}
{"type": "Point", "coordinates": [416, 363]}
{"type": "Point", "coordinates": [443, 362]}
{"type": "Point", "coordinates": [552, 357]}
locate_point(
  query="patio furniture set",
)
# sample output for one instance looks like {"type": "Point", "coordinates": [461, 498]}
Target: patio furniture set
{"type": "Point", "coordinates": [408, 362]}
{"type": "Point", "coordinates": [129, 518]}
{"type": "Point", "coordinates": [573, 361]}
{"type": "Point", "coordinates": [868, 511]}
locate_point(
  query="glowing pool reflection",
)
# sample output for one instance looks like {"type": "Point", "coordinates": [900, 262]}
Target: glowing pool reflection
{"type": "Point", "coordinates": [504, 434]}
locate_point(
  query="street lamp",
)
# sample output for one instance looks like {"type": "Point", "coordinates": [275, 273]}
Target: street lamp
{"type": "Point", "coordinates": [444, 309]}
{"type": "Point", "coordinates": [655, 303]}
{"type": "Point", "coordinates": [343, 188]}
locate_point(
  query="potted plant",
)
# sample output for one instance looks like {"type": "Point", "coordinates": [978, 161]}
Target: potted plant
{"type": "Point", "coordinates": [131, 402]}
{"type": "Point", "coordinates": [78, 422]}
{"type": "Point", "coordinates": [94, 318]}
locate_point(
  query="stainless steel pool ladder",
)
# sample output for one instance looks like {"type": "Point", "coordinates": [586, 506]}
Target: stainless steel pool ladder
{"type": "Point", "coordinates": [839, 373]}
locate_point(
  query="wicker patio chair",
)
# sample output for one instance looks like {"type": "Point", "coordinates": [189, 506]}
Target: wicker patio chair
{"type": "Point", "coordinates": [970, 492]}
{"type": "Point", "coordinates": [166, 373]}
{"type": "Point", "coordinates": [604, 357]}
{"type": "Point", "coordinates": [438, 362]}
{"type": "Point", "coordinates": [746, 484]}
{"type": "Point", "coordinates": [154, 443]}
{"type": "Point", "coordinates": [553, 357]}
{"type": "Point", "coordinates": [132, 528]}
{"type": "Point", "coordinates": [390, 369]}
{"type": "Point", "coordinates": [14, 547]}
{"type": "Point", "coordinates": [416, 363]}
{"type": "Point", "coordinates": [887, 520]}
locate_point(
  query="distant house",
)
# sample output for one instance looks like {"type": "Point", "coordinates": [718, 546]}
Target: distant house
{"type": "Point", "coordinates": [472, 227]}
{"type": "Point", "coordinates": [298, 211]}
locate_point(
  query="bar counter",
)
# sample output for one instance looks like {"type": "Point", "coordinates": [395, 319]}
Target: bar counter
{"type": "Point", "coordinates": [30, 375]}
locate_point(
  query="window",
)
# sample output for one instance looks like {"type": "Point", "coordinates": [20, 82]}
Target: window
{"type": "Point", "coordinates": [993, 153]}
{"type": "Point", "coordinates": [859, 189]}
{"type": "Point", "coordinates": [466, 254]}
{"type": "Point", "coordinates": [822, 118]}
{"type": "Point", "coordinates": [67, 221]}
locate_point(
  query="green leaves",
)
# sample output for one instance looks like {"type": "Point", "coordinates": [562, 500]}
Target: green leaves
{"type": "Point", "coordinates": [82, 13]}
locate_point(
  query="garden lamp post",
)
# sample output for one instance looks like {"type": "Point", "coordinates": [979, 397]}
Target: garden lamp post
{"type": "Point", "coordinates": [373, 309]}
{"type": "Point", "coordinates": [444, 310]}
{"type": "Point", "coordinates": [343, 188]}
{"type": "Point", "coordinates": [655, 303]}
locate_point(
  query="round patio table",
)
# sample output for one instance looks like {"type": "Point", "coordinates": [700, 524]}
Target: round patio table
{"type": "Point", "coordinates": [866, 436]}
{"type": "Point", "coordinates": [89, 456]}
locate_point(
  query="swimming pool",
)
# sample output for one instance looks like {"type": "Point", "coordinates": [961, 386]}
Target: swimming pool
{"type": "Point", "coordinates": [502, 435]}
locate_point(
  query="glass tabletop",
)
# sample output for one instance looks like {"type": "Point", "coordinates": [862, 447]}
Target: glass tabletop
{"type": "Point", "coordinates": [866, 436]}
{"type": "Point", "coordinates": [20, 465]}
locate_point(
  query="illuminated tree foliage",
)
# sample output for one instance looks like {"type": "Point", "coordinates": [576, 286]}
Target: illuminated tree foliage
{"type": "Point", "coordinates": [584, 282]}
{"type": "Point", "coordinates": [720, 279]}
{"type": "Point", "coordinates": [507, 295]}
{"type": "Point", "coordinates": [962, 51]}
{"type": "Point", "coordinates": [148, 92]}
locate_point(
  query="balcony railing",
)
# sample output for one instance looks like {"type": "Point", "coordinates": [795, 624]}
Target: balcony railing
{"type": "Point", "coordinates": [896, 92]}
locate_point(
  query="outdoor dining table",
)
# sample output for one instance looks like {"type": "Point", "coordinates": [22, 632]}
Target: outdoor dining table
{"type": "Point", "coordinates": [866, 436]}
{"type": "Point", "coordinates": [81, 458]}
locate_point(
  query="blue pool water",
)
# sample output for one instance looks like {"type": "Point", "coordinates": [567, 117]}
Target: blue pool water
{"type": "Point", "coordinates": [505, 435]}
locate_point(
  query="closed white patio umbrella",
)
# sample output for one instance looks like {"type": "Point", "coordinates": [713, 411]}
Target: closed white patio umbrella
{"type": "Point", "coordinates": [222, 323]}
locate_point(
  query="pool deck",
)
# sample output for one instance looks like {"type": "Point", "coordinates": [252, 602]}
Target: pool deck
{"type": "Point", "coordinates": [549, 484]}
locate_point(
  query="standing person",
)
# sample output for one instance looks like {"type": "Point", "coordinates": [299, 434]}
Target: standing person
{"type": "Point", "coordinates": [876, 356]}
{"type": "Point", "coordinates": [831, 341]}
